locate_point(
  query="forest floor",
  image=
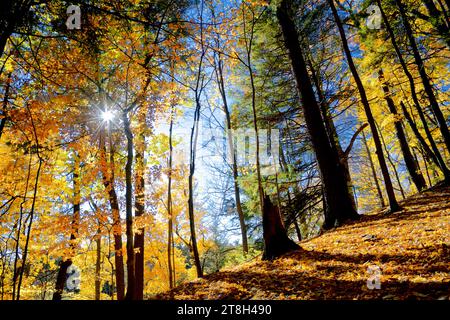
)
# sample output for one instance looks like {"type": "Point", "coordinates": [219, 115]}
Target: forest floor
{"type": "Point", "coordinates": [411, 248]}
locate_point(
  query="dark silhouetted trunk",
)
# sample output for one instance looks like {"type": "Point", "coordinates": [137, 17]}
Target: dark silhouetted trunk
{"type": "Point", "coordinates": [131, 280]}
{"type": "Point", "coordinates": [411, 165]}
{"type": "Point", "coordinates": [429, 154]}
{"type": "Point", "coordinates": [98, 257]}
{"type": "Point", "coordinates": [193, 148]}
{"type": "Point", "coordinates": [331, 130]}
{"type": "Point", "coordinates": [33, 205]}
{"type": "Point", "coordinates": [374, 172]}
{"type": "Point", "coordinates": [139, 203]}
{"type": "Point", "coordinates": [388, 156]}
{"type": "Point", "coordinates": [61, 279]}
{"type": "Point", "coordinates": [12, 16]}
{"type": "Point", "coordinates": [393, 204]}
{"type": "Point", "coordinates": [248, 38]}
{"type": "Point", "coordinates": [4, 114]}
{"type": "Point", "coordinates": [423, 75]}
{"type": "Point", "coordinates": [437, 155]}
{"type": "Point", "coordinates": [276, 241]}
{"type": "Point", "coordinates": [340, 206]}
{"type": "Point", "coordinates": [438, 20]}
{"type": "Point", "coordinates": [297, 230]}
{"type": "Point", "coordinates": [170, 241]}
{"type": "Point", "coordinates": [108, 176]}
{"type": "Point", "coordinates": [199, 86]}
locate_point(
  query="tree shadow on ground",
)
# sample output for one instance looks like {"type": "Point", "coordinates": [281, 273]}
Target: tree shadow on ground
{"type": "Point", "coordinates": [411, 248]}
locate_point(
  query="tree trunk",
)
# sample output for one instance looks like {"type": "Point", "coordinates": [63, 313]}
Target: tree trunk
{"type": "Point", "coordinates": [193, 147]}
{"type": "Point", "coordinates": [436, 157]}
{"type": "Point", "coordinates": [139, 203]}
{"type": "Point", "coordinates": [5, 105]}
{"type": "Point", "coordinates": [408, 74]}
{"type": "Point", "coordinates": [33, 204]}
{"type": "Point", "coordinates": [388, 156]}
{"type": "Point", "coordinates": [170, 243]}
{"type": "Point", "coordinates": [331, 130]}
{"type": "Point", "coordinates": [297, 230]}
{"type": "Point", "coordinates": [276, 241]}
{"type": "Point", "coordinates": [393, 204]}
{"type": "Point", "coordinates": [61, 279]}
{"type": "Point", "coordinates": [98, 281]}
{"type": "Point", "coordinates": [445, 11]}
{"type": "Point", "coordinates": [248, 36]}
{"type": "Point", "coordinates": [414, 152]}
{"type": "Point", "coordinates": [131, 280]}
{"type": "Point", "coordinates": [411, 164]}
{"type": "Point", "coordinates": [65, 264]}
{"type": "Point", "coordinates": [447, 2]}
{"type": "Point", "coordinates": [437, 19]}
{"type": "Point", "coordinates": [108, 177]}
{"type": "Point", "coordinates": [423, 75]}
{"type": "Point", "coordinates": [232, 153]}
{"type": "Point", "coordinates": [98, 247]}
{"type": "Point", "coordinates": [340, 206]}
{"type": "Point", "coordinates": [199, 86]}
{"type": "Point", "coordinates": [12, 14]}
{"type": "Point", "coordinates": [374, 172]}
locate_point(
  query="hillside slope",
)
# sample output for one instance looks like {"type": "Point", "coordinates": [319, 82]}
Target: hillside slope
{"type": "Point", "coordinates": [411, 248]}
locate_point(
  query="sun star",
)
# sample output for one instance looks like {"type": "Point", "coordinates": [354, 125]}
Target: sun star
{"type": "Point", "coordinates": [107, 116]}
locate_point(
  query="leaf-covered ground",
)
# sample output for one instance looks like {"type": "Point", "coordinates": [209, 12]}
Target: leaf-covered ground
{"type": "Point", "coordinates": [411, 248]}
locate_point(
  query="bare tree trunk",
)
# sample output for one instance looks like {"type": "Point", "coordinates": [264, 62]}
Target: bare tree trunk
{"type": "Point", "coordinates": [170, 241]}
{"type": "Point", "coordinates": [331, 130]}
{"type": "Point", "coordinates": [248, 65]}
{"type": "Point", "coordinates": [11, 16]}
{"type": "Point", "coordinates": [388, 156]}
{"type": "Point", "coordinates": [423, 75]}
{"type": "Point", "coordinates": [297, 230]}
{"type": "Point", "coordinates": [438, 20]}
{"type": "Point", "coordinates": [131, 280]}
{"type": "Point", "coordinates": [199, 86]}
{"type": "Point", "coordinates": [66, 263]}
{"type": "Point", "coordinates": [98, 247]}
{"type": "Point", "coordinates": [139, 204]}
{"type": "Point", "coordinates": [276, 241]}
{"type": "Point", "coordinates": [193, 147]}
{"type": "Point", "coordinates": [5, 105]}
{"type": "Point", "coordinates": [339, 206]}
{"type": "Point", "coordinates": [408, 74]}
{"type": "Point", "coordinates": [98, 281]}
{"type": "Point", "coordinates": [374, 172]}
{"type": "Point", "coordinates": [447, 2]}
{"type": "Point", "coordinates": [108, 176]}
{"type": "Point", "coordinates": [393, 204]}
{"type": "Point", "coordinates": [425, 161]}
{"type": "Point", "coordinates": [296, 225]}
{"type": "Point", "coordinates": [31, 214]}
{"type": "Point", "coordinates": [411, 164]}
{"type": "Point", "coordinates": [445, 11]}
{"type": "Point", "coordinates": [19, 230]}
{"type": "Point", "coordinates": [436, 155]}
{"type": "Point", "coordinates": [232, 152]}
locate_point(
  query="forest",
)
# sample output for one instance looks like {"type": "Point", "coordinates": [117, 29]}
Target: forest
{"type": "Point", "coordinates": [224, 149]}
